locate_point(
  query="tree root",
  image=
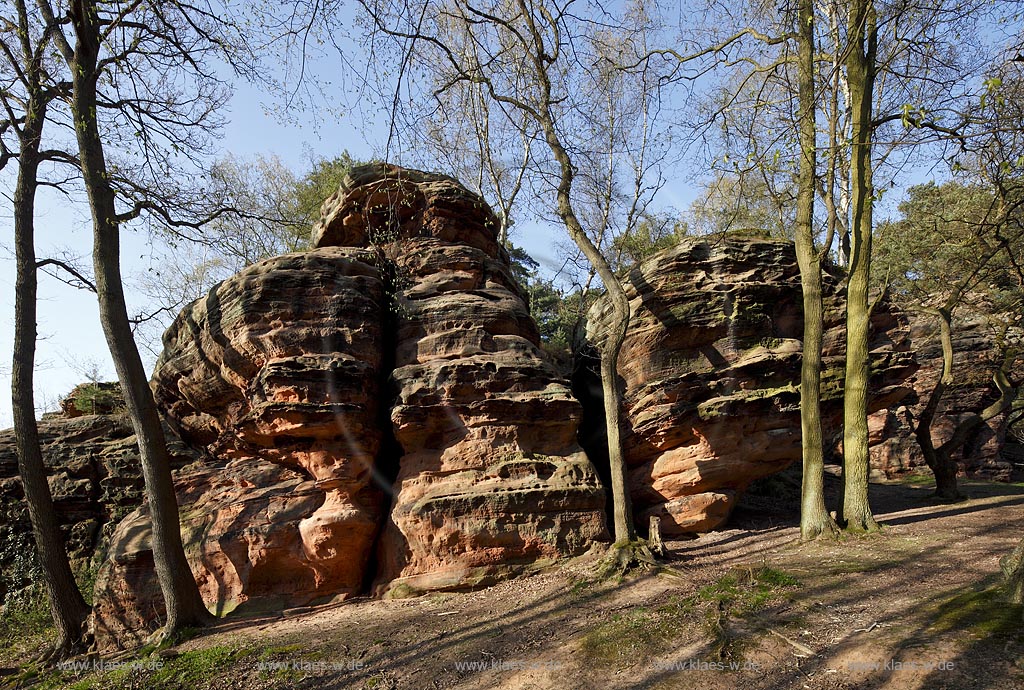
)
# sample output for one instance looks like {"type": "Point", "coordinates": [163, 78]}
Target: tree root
{"type": "Point", "coordinates": [864, 525]}
{"type": "Point", "coordinates": [628, 556]}
{"type": "Point", "coordinates": [166, 636]}
{"type": "Point", "coordinates": [61, 650]}
{"type": "Point", "coordinates": [826, 529]}
{"type": "Point", "coordinates": [949, 497]}
{"type": "Point", "coordinates": [67, 646]}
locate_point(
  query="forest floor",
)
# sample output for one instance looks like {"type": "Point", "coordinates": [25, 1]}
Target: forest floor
{"type": "Point", "coordinates": [917, 606]}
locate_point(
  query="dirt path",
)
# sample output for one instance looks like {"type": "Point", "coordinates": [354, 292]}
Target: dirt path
{"type": "Point", "coordinates": [913, 608]}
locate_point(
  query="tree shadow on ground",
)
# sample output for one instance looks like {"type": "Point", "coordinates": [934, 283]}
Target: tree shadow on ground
{"type": "Point", "coordinates": [922, 592]}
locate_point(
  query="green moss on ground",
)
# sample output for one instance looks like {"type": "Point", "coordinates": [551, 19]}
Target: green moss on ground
{"type": "Point", "coordinates": [641, 634]}
{"type": "Point", "coordinates": [980, 613]}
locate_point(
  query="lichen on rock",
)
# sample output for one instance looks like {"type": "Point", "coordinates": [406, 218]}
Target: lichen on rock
{"type": "Point", "coordinates": [710, 371]}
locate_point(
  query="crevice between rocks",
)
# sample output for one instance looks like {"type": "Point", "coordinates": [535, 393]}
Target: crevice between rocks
{"type": "Point", "coordinates": [389, 455]}
{"type": "Point", "coordinates": [592, 434]}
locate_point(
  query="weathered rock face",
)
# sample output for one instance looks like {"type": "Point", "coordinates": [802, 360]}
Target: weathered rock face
{"type": "Point", "coordinates": [710, 368]}
{"type": "Point", "coordinates": [491, 480]}
{"type": "Point", "coordinates": [975, 358]}
{"type": "Point", "coordinates": [275, 374]}
{"type": "Point", "coordinates": [313, 380]}
{"type": "Point", "coordinates": [95, 479]}
{"type": "Point", "coordinates": [244, 526]}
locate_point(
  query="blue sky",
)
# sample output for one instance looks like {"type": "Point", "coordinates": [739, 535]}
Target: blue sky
{"type": "Point", "coordinates": [70, 338]}
{"type": "Point", "coordinates": [71, 341]}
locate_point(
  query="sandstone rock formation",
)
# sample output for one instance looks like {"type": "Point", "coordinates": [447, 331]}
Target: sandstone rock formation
{"type": "Point", "coordinates": [709, 371]}
{"type": "Point", "coordinates": [275, 374]}
{"type": "Point", "coordinates": [95, 479]}
{"type": "Point", "coordinates": [405, 360]}
{"type": "Point", "coordinates": [491, 480]}
{"type": "Point", "coordinates": [975, 358]}
{"type": "Point", "coordinates": [244, 526]}
{"type": "Point", "coordinates": [376, 413]}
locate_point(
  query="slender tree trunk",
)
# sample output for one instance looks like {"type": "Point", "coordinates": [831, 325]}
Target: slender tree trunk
{"type": "Point", "coordinates": [856, 460]}
{"type": "Point", "coordinates": [814, 518]}
{"type": "Point", "coordinates": [181, 594]}
{"type": "Point", "coordinates": [67, 606]}
{"type": "Point", "coordinates": [1012, 566]}
{"type": "Point", "coordinates": [939, 460]}
{"type": "Point", "coordinates": [624, 528]}
{"type": "Point", "coordinates": [625, 531]}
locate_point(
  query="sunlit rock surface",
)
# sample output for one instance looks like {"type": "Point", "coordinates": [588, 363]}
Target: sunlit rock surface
{"type": "Point", "coordinates": [374, 413]}
{"type": "Point", "coordinates": [491, 481]}
{"type": "Point", "coordinates": [275, 376]}
{"type": "Point", "coordinates": [710, 370]}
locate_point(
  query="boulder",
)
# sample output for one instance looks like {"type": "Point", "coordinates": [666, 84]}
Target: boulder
{"type": "Point", "coordinates": [710, 369]}
{"type": "Point", "coordinates": [275, 375]}
{"type": "Point", "coordinates": [405, 364]}
{"type": "Point", "coordinates": [491, 480]}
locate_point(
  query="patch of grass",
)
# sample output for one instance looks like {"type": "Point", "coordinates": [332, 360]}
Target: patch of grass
{"type": "Point", "coordinates": [580, 587]}
{"type": "Point", "coordinates": [186, 670]}
{"type": "Point", "coordinates": [640, 634]}
{"type": "Point", "coordinates": [982, 613]}
{"type": "Point", "coordinates": [85, 684]}
{"type": "Point", "coordinates": [636, 635]}
{"type": "Point", "coordinates": [25, 624]}
{"type": "Point", "coordinates": [402, 591]}
{"type": "Point", "coordinates": [744, 591]}
{"type": "Point", "coordinates": [741, 593]}
{"type": "Point", "coordinates": [51, 678]}
{"type": "Point", "coordinates": [922, 479]}
{"type": "Point", "coordinates": [849, 566]}
{"type": "Point", "coordinates": [280, 650]}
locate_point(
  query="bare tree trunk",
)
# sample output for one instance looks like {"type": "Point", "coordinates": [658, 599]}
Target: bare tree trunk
{"type": "Point", "coordinates": [940, 461]}
{"type": "Point", "coordinates": [625, 530]}
{"type": "Point", "coordinates": [67, 606]}
{"type": "Point", "coordinates": [862, 33]}
{"type": "Point", "coordinates": [1012, 566]}
{"type": "Point", "coordinates": [184, 605]}
{"type": "Point", "coordinates": [814, 518]}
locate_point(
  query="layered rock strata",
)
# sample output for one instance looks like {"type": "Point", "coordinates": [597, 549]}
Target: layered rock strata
{"type": "Point", "coordinates": [92, 463]}
{"type": "Point", "coordinates": [975, 358]}
{"type": "Point", "coordinates": [710, 368]}
{"type": "Point", "coordinates": [92, 467]}
{"type": "Point", "coordinates": [275, 375]}
{"type": "Point", "coordinates": [405, 363]}
{"type": "Point", "coordinates": [491, 480]}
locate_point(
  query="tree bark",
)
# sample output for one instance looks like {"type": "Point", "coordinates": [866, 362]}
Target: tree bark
{"type": "Point", "coordinates": [183, 603]}
{"type": "Point", "coordinates": [862, 33]}
{"type": "Point", "coordinates": [67, 607]}
{"type": "Point", "coordinates": [814, 518]}
{"type": "Point", "coordinates": [939, 460]}
{"type": "Point", "coordinates": [625, 530]}
{"type": "Point", "coordinates": [1012, 566]}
